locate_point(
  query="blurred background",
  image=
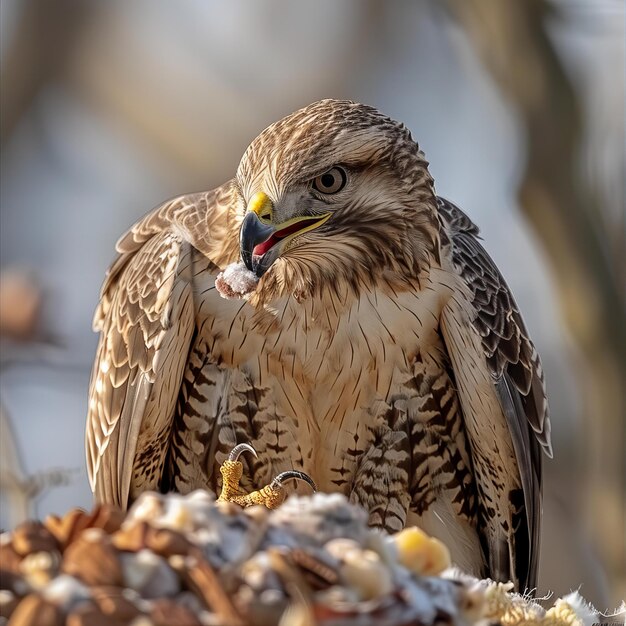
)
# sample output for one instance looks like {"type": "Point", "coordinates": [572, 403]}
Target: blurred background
{"type": "Point", "coordinates": [109, 108]}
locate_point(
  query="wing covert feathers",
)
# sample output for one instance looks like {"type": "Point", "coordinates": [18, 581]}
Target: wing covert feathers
{"type": "Point", "coordinates": [517, 377]}
{"type": "Point", "coordinates": [506, 342]}
{"type": "Point", "coordinates": [146, 319]}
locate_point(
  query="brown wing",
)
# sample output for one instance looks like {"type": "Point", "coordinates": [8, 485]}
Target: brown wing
{"type": "Point", "coordinates": [517, 377]}
{"type": "Point", "coordinates": [146, 320]}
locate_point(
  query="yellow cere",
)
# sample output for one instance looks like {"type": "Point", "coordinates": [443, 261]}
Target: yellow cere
{"type": "Point", "coordinates": [261, 204]}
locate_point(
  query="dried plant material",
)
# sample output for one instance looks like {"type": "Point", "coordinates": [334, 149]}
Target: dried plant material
{"type": "Point", "coordinates": [148, 508]}
{"type": "Point", "coordinates": [131, 537]}
{"type": "Point", "coordinates": [167, 542]}
{"type": "Point", "coordinates": [187, 560]}
{"type": "Point", "coordinates": [39, 568]}
{"type": "Point", "coordinates": [258, 574]}
{"type": "Point", "coordinates": [498, 599]}
{"type": "Point", "coordinates": [34, 610]}
{"type": "Point", "coordinates": [66, 592]}
{"type": "Point", "coordinates": [115, 603]}
{"type": "Point", "coordinates": [9, 558]}
{"type": "Point", "coordinates": [230, 508]}
{"type": "Point", "coordinates": [365, 573]}
{"type": "Point", "coordinates": [33, 537]}
{"type": "Point", "coordinates": [88, 614]}
{"type": "Point", "coordinates": [259, 514]}
{"type": "Point", "coordinates": [13, 582]}
{"type": "Point", "coordinates": [93, 559]}
{"type": "Point", "coordinates": [236, 281]}
{"type": "Point", "coordinates": [336, 596]}
{"type": "Point", "coordinates": [167, 612]}
{"type": "Point", "coordinates": [8, 602]}
{"type": "Point", "coordinates": [300, 610]}
{"type": "Point", "coordinates": [317, 573]}
{"type": "Point", "coordinates": [66, 529]}
{"type": "Point", "coordinates": [338, 548]}
{"type": "Point", "coordinates": [520, 614]}
{"type": "Point", "coordinates": [149, 574]}
{"type": "Point", "coordinates": [210, 587]}
{"type": "Point", "coordinates": [293, 580]}
{"type": "Point", "coordinates": [572, 610]}
{"type": "Point", "coordinates": [191, 602]}
{"type": "Point", "coordinates": [139, 536]}
{"type": "Point", "coordinates": [298, 614]}
{"type": "Point", "coordinates": [107, 517]}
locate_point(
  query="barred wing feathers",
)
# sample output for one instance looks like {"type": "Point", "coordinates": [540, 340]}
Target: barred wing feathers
{"type": "Point", "coordinates": [494, 325]}
{"type": "Point", "coordinates": [146, 319]}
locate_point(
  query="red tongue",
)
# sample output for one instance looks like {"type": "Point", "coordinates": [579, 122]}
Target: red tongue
{"type": "Point", "coordinates": [262, 248]}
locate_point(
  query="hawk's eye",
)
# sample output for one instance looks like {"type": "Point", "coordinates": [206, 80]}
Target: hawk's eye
{"type": "Point", "coordinates": [330, 182]}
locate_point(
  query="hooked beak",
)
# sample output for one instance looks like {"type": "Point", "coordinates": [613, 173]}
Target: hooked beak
{"type": "Point", "coordinates": [261, 241]}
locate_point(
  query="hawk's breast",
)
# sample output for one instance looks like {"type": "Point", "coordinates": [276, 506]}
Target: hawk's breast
{"type": "Point", "coordinates": [311, 384]}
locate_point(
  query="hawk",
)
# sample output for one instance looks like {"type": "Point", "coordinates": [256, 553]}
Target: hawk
{"type": "Point", "coordinates": [380, 351]}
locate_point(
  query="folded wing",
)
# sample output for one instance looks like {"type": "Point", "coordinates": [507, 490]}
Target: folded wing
{"type": "Point", "coordinates": [503, 398]}
{"type": "Point", "coordinates": [146, 319]}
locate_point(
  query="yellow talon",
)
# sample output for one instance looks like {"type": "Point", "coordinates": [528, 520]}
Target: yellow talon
{"type": "Point", "coordinates": [232, 472]}
{"type": "Point", "coordinates": [270, 496]}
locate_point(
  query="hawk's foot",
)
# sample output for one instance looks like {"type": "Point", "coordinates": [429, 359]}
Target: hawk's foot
{"type": "Point", "coordinates": [270, 496]}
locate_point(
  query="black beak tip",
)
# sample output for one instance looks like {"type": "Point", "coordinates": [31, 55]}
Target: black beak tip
{"type": "Point", "coordinates": [253, 232]}
{"type": "Point", "coordinates": [246, 257]}
{"type": "Point", "coordinates": [260, 267]}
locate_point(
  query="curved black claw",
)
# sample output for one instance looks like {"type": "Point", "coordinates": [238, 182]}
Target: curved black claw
{"type": "Point", "coordinates": [239, 449]}
{"type": "Point", "coordinates": [288, 475]}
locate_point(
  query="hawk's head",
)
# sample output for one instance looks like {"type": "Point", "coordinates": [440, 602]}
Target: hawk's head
{"type": "Point", "coordinates": [335, 192]}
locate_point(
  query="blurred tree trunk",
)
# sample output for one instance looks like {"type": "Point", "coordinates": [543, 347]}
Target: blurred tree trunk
{"type": "Point", "coordinates": [511, 39]}
{"type": "Point", "coordinates": [39, 48]}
